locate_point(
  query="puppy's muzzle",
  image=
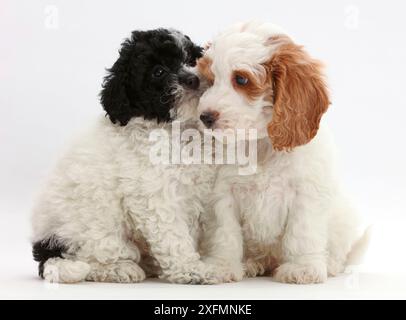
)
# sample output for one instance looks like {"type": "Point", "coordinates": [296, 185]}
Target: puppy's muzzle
{"type": "Point", "coordinates": [189, 80]}
{"type": "Point", "coordinates": [209, 118]}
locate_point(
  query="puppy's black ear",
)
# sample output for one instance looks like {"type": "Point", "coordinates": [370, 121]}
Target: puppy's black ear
{"type": "Point", "coordinates": [113, 96]}
{"type": "Point", "coordinates": [198, 51]}
{"type": "Point", "coordinates": [195, 52]}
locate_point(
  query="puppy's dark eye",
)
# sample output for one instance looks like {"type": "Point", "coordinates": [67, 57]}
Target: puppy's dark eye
{"type": "Point", "coordinates": [158, 72]}
{"type": "Point", "coordinates": [240, 80]}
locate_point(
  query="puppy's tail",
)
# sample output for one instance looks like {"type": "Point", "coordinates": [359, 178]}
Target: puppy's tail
{"type": "Point", "coordinates": [53, 267]}
{"type": "Point", "coordinates": [357, 252]}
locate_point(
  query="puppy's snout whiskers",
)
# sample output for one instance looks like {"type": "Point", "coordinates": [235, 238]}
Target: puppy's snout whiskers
{"type": "Point", "coordinates": [177, 94]}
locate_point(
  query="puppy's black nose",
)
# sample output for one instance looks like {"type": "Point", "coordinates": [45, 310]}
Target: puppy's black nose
{"type": "Point", "coordinates": [190, 81]}
{"type": "Point", "coordinates": [209, 118]}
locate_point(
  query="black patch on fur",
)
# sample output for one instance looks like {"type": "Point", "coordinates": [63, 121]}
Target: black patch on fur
{"type": "Point", "coordinates": [131, 90]}
{"type": "Point", "coordinates": [46, 249]}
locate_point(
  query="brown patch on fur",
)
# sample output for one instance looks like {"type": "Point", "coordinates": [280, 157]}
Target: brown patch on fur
{"type": "Point", "coordinates": [300, 96]}
{"type": "Point", "coordinates": [278, 40]}
{"type": "Point", "coordinates": [257, 84]}
{"type": "Point", "coordinates": [204, 66]}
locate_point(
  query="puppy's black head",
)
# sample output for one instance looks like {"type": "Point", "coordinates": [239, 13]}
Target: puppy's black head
{"type": "Point", "coordinates": [151, 76]}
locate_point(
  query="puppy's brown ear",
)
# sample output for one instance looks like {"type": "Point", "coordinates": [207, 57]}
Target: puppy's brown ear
{"type": "Point", "coordinates": [300, 96]}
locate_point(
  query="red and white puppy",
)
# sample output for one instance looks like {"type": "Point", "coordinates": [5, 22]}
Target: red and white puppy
{"type": "Point", "coordinates": [290, 217]}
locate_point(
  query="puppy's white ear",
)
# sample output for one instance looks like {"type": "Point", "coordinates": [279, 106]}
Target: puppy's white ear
{"type": "Point", "coordinates": [300, 95]}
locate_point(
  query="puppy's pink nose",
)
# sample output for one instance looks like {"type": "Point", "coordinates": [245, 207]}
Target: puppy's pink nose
{"type": "Point", "coordinates": [209, 118]}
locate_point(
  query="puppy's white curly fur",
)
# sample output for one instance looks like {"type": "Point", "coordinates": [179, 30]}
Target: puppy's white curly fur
{"type": "Point", "coordinates": [105, 193]}
{"type": "Point", "coordinates": [290, 217]}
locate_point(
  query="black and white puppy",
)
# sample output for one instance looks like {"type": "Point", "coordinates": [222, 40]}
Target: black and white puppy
{"type": "Point", "coordinates": [107, 213]}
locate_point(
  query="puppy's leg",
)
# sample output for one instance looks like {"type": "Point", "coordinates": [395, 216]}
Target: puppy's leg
{"type": "Point", "coordinates": [347, 241]}
{"type": "Point", "coordinates": [259, 261]}
{"type": "Point", "coordinates": [304, 242]}
{"type": "Point", "coordinates": [121, 272]}
{"type": "Point", "coordinates": [222, 243]}
{"type": "Point", "coordinates": [173, 247]}
{"type": "Point", "coordinates": [112, 259]}
{"type": "Point", "coordinates": [60, 270]}
{"type": "Point", "coordinates": [109, 259]}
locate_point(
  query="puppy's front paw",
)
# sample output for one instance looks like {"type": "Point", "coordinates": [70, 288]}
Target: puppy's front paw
{"type": "Point", "coordinates": [196, 273]}
{"type": "Point", "coordinates": [206, 273]}
{"type": "Point", "coordinates": [184, 277]}
{"type": "Point", "coordinates": [301, 273]}
{"type": "Point", "coordinates": [224, 272]}
{"type": "Point", "coordinates": [120, 272]}
{"type": "Point", "coordinates": [253, 269]}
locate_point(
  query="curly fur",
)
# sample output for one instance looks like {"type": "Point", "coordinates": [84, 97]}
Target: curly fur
{"type": "Point", "coordinates": [106, 213]}
{"type": "Point", "coordinates": [290, 218]}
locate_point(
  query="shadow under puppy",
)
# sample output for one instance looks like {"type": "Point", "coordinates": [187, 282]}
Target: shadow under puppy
{"type": "Point", "coordinates": [107, 213]}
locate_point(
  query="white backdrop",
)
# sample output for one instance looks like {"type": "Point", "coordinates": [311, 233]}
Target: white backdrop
{"type": "Point", "coordinates": [52, 60]}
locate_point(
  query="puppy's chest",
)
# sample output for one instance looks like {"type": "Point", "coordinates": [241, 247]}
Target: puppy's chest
{"type": "Point", "coordinates": [260, 193]}
{"type": "Point", "coordinates": [262, 202]}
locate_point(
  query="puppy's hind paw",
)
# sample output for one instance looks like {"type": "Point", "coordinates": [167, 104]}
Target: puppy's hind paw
{"type": "Point", "coordinates": [335, 267]}
{"type": "Point", "coordinates": [301, 273]}
{"type": "Point", "coordinates": [59, 270]}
